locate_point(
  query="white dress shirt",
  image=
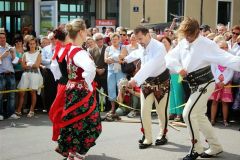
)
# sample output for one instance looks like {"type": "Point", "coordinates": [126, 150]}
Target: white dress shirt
{"type": "Point", "coordinates": [201, 53]}
{"type": "Point", "coordinates": [82, 59]}
{"type": "Point", "coordinates": [47, 54]}
{"type": "Point", "coordinates": [227, 74]}
{"type": "Point", "coordinates": [152, 61]}
{"type": "Point", "coordinates": [233, 49]}
{"type": "Point", "coordinates": [54, 67]}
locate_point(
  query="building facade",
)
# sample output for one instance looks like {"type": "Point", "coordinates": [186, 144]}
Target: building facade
{"type": "Point", "coordinates": [209, 12]}
{"type": "Point", "coordinates": [17, 14]}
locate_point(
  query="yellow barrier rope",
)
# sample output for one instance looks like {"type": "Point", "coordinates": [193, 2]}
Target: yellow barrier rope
{"type": "Point", "coordinates": [121, 104]}
{"type": "Point", "coordinates": [18, 90]}
{"type": "Point", "coordinates": [180, 106]}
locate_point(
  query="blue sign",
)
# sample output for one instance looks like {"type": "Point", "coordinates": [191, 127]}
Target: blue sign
{"type": "Point", "coordinates": [135, 9]}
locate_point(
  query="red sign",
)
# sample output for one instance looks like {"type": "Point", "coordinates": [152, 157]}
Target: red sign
{"type": "Point", "coordinates": [105, 22]}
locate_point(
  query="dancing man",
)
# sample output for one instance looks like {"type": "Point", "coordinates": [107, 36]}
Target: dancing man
{"type": "Point", "coordinates": [192, 58]}
{"type": "Point", "coordinates": [153, 77]}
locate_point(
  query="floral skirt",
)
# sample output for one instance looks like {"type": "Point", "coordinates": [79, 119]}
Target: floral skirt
{"type": "Point", "coordinates": [79, 136]}
{"type": "Point", "coordinates": [223, 95]}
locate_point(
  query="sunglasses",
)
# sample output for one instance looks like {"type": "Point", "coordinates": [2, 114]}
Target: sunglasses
{"type": "Point", "coordinates": [236, 33]}
{"type": "Point", "coordinates": [99, 39]}
{"type": "Point", "coordinates": [122, 34]}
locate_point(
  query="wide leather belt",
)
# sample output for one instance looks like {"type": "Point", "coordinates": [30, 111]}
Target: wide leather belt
{"type": "Point", "coordinates": [163, 77]}
{"type": "Point", "coordinates": [199, 77]}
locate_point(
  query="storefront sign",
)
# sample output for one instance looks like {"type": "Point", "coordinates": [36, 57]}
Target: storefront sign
{"type": "Point", "coordinates": [100, 23]}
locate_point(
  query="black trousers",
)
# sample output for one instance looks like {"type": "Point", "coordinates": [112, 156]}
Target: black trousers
{"type": "Point", "coordinates": [50, 88]}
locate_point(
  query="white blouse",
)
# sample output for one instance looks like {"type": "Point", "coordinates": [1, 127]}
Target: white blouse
{"type": "Point", "coordinates": [201, 53]}
{"type": "Point", "coordinates": [82, 59]}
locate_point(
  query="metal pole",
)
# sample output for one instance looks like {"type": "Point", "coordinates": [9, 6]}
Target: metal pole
{"type": "Point", "coordinates": [201, 12]}
{"type": "Point", "coordinates": [144, 9]}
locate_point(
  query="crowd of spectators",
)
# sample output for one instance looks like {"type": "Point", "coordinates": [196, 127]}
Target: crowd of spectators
{"type": "Point", "coordinates": [25, 63]}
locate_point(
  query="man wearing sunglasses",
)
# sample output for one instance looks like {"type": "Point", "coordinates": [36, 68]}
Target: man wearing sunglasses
{"type": "Point", "coordinates": [124, 37]}
{"type": "Point", "coordinates": [232, 43]}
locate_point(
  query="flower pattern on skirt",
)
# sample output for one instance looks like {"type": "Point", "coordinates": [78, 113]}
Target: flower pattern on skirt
{"type": "Point", "coordinates": [80, 136]}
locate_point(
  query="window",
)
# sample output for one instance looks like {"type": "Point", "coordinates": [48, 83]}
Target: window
{"type": "Point", "coordinates": [63, 19]}
{"type": "Point", "coordinates": [174, 8]}
{"type": "Point", "coordinates": [112, 9]}
{"type": "Point", "coordinates": [7, 6]}
{"type": "Point", "coordinates": [73, 7]}
{"type": "Point", "coordinates": [1, 5]}
{"type": "Point", "coordinates": [69, 10]}
{"type": "Point", "coordinates": [63, 7]}
{"type": "Point", "coordinates": [8, 23]}
{"type": "Point", "coordinates": [224, 12]}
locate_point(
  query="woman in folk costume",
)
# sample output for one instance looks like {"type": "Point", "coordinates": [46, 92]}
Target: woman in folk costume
{"type": "Point", "coordinates": [80, 126]}
{"type": "Point", "coordinates": [191, 58]}
{"type": "Point", "coordinates": [59, 70]}
{"type": "Point", "coordinates": [223, 77]}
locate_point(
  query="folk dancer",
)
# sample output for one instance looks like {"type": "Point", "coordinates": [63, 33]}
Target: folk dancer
{"type": "Point", "coordinates": [191, 58]}
{"type": "Point", "coordinates": [81, 124]}
{"type": "Point", "coordinates": [153, 77]}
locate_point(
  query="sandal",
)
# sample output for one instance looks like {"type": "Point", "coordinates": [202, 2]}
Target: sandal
{"type": "Point", "coordinates": [178, 119]}
{"type": "Point", "coordinates": [225, 123]}
{"type": "Point", "coordinates": [116, 117]}
{"type": "Point", "coordinates": [18, 113]}
{"type": "Point", "coordinates": [213, 122]}
{"type": "Point", "coordinates": [79, 156]}
{"type": "Point", "coordinates": [30, 114]}
{"type": "Point", "coordinates": [109, 117]}
{"type": "Point", "coordinates": [70, 156]}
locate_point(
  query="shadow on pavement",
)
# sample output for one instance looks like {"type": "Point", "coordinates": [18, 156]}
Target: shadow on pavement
{"type": "Point", "coordinates": [38, 120]}
{"type": "Point", "coordinates": [100, 157]}
{"type": "Point", "coordinates": [173, 147]}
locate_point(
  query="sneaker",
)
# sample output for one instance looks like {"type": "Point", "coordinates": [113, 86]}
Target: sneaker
{"type": "Point", "coordinates": [14, 116]}
{"type": "Point", "coordinates": [1, 118]}
{"type": "Point", "coordinates": [132, 114]}
{"type": "Point", "coordinates": [44, 111]}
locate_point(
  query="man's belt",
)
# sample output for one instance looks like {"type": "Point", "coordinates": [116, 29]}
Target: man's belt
{"type": "Point", "coordinates": [7, 73]}
{"type": "Point", "coordinates": [163, 77]}
{"type": "Point", "coordinates": [31, 70]}
{"type": "Point", "coordinates": [199, 77]}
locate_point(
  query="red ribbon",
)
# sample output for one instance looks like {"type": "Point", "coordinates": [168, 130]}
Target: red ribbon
{"type": "Point", "coordinates": [57, 49]}
{"type": "Point", "coordinates": [65, 52]}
